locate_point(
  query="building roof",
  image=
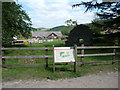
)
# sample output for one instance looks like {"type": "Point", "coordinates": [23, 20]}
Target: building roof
{"type": "Point", "coordinates": [45, 34]}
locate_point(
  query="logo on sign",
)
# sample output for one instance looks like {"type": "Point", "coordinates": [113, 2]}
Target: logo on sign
{"type": "Point", "coordinates": [64, 54]}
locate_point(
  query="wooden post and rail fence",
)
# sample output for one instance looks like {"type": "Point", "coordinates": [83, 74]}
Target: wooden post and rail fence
{"type": "Point", "coordinates": [82, 54]}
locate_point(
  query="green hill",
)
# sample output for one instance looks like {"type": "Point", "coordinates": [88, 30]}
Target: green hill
{"type": "Point", "coordinates": [42, 29]}
{"type": "Point", "coordinates": [58, 28]}
{"type": "Point", "coordinates": [64, 29]}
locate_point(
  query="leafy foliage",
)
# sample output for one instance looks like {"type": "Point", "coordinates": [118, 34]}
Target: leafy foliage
{"type": "Point", "coordinates": [15, 22]}
{"type": "Point", "coordinates": [97, 25]}
{"type": "Point", "coordinates": [79, 32]}
{"type": "Point", "coordinates": [109, 11]}
{"type": "Point", "coordinates": [70, 22]}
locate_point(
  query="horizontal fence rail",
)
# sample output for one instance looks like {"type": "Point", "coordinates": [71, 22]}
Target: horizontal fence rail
{"type": "Point", "coordinates": [102, 54]}
{"type": "Point", "coordinates": [36, 64]}
{"type": "Point", "coordinates": [42, 48]}
{"type": "Point", "coordinates": [117, 53]}
{"type": "Point", "coordinates": [109, 61]}
{"type": "Point", "coordinates": [40, 56]}
{"type": "Point", "coordinates": [90, 62]}
{"type": "Point", "coordinates": [46, 56]}
{"type": "Point", "coordinates": [99, 47]}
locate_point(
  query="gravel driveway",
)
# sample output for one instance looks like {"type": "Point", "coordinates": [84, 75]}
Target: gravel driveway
{"type": "Point", "coordinates": [101, 80]}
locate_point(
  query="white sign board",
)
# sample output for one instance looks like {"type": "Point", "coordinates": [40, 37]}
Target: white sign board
{"type": "Point", "coordinates": [64, 54]}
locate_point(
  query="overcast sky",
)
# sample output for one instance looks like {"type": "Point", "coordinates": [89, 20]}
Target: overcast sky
{"type": "Point", "coordinates": [51, 13]}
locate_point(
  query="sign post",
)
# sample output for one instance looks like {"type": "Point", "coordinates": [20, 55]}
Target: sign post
{"type": "Point", "coordinates": [65, 54]}
{"type": "Point", "coordinates": [75, 55]}
{"type": "Point", "coordinates": [53, 60]}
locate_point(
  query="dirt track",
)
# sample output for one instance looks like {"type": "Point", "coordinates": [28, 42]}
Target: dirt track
{"type": "Point", "coordinates": [101, 80]}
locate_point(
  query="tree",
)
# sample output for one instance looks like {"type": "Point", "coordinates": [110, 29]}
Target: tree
{"type": "Point", "coordinates": [15, 21]}
{"type": "Point", "coordinates": [109, 11]}
{"type": "Point", "coordinates": [70, 22]}
{"type": "Point", "coordinates": [97, 26]}
{"type": "Point", "coordinates": [79, 32]}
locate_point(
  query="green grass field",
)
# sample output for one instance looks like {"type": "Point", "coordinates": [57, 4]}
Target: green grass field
{"type": "Point", "coordinates": [62, 71]}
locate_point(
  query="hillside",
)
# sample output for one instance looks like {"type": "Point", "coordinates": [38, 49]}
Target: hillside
{"type": "Point", "coordinates": [42, 29]}
{"type": "Point", "coordinates": [64, 29]}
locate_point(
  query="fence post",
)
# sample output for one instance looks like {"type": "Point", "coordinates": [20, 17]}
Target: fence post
{"type": "Point", "coordinates": [113, 57]}
{"type": "Point", "coordinates": [46, 53]}
{"type": "Point", "coordinates": [3, 62]}
{"type": "Point", "coordinates": [53, 60]}
{"type": "Point", "coordinates": [75, 54]}
{"type": "Point", "coordinates": [82, 53]}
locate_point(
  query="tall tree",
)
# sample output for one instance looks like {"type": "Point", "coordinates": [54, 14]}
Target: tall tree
{"type": "Point", "coordinates": [109, 11]}
{"type": "Point", "coordinates": [15, 21]}
{"type": "Point", "coordinates": [70, 22]}
{"type": "Point", "coordinates": [97, 25]}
